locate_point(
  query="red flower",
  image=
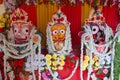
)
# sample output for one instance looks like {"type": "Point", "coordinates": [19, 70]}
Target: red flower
{"type": "Point", "coordinates": [71, 64]}
{"type": "Point", "coordinates": [1, 54]}
{"type": "Point", "coordinates": [93, 19]}
{"type": "Point", "coordinates": [21, 62]}
{"type": "Point", "coordinates": [14, 18]}
{"type": "Point", "coordinates": [75, 58]}
{"type": "Point", "coordinates": [19, 69]}
{"type": "Point", "coordinates": [102, 18]}
{"type": "Point", "coordinates": [101, 76]}
{"type": "Point", "coordinates": [16, 63]}
{"type": "Point", "coordinates": [62, 19]}
{"type": "Point", "coordinates": [22, 17]}
{"type": "Point", "coordinates": [68, 58]}
{"type": "Point", "coordinates": [98, 18]}
{"type": "Point", "coordinates": [18, 77]}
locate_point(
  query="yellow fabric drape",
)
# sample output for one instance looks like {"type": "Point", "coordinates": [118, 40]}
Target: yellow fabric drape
{"type": "Point", "coordinates": [86, 8]}
{"type": "Point", "coordinates": [44, 16]}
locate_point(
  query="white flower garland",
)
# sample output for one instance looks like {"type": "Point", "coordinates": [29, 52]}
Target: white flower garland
{"type": "Point", "coordinates": [30, 50]}
{"type": "Point", "coordinates": [69, 77]}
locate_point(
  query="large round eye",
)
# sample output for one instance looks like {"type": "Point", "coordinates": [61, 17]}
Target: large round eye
{"type": "Point", "coordinates": [62, 31]}
{"type": "Point", "coordinates": [25, 30]}
{"type": "Point", "coordinates": [95, 29]}
{"type": "Point", "coordinates": [55, 32]}
{"type": "Point", "coordinates": [16, 30]}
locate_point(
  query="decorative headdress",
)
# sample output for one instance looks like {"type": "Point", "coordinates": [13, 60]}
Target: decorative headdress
{"type": "Point", "coordinates": [19, 15]}
{"type": "Point", "coordinates": [59, 17]}
{"type": "Point", "coordinates": [95, 17]}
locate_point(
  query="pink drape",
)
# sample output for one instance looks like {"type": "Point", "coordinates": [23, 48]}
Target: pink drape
{"type": "Point", "coordinates": [73, 14]}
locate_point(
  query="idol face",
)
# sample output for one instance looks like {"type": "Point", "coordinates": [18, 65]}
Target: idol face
{"type": "Point", "coordinates": [98, 32]}
{"type": "Point", "coordinates": [21, 31]}
{"type": "Point", "coordinates": [58, 32]}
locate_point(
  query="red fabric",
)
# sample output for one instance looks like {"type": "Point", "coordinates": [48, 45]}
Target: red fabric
{"type": "Point", "coordinates": [32, 13]}
{"type": "Point", "coordinates": [73, 14]}
{"type": "Point", "coordinates": [1, 30]}
{"type": "Point", "coordinates": [111, 16]}
{"type": "Point", "coordinates": [65, 73]}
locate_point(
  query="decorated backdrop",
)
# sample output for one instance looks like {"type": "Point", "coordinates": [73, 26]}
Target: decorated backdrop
{"type": "Point", "coordinates": [41, 11]}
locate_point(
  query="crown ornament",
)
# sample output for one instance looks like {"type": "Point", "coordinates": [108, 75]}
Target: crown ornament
{"type": "Point", "coordinates": [59, 17]}
{"type": "Point", "coordinates": [95, 17]}
{"type": "Point", "coordinates": [19, 15]}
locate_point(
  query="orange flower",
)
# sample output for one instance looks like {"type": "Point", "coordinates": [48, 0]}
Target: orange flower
{"type": "Point", "coordinates": [35, 39]}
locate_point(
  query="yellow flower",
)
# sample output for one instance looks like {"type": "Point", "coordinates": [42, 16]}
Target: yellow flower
{"type": "Point", "coordinates": [60, 68]}
{"type": "Point", "coordinates": [48, 57]}
{"type": "Point", "coordinates": [95, 58]}
{"type": "Point", "coordinates": [83, 68]}
{"type": "Point", "coordinates": [87, 58]}
{"type": "Point", "coordinates": [85, 63]}
{"type": "Point", "coordinates": [6, 16]}
{"type": "Point", "coordinates": [3, 20]}
{"type": "Point", "coordinates": [54, 56]}
{"type": "Point", "coordinates": [49, 63]}
{"type": "Point", "coordinates": [62, 63]}
{"type": "Point", "coordinates": [46, 67]}
{"type": "Point", "coordinates": [54, 68]}
{"type": "Point", "coordinates": [97, 64]}
{"type": "Point", "coordinates": [62, 57]}
{"type": "Point", "coordinates": [95, 68]}
{"type": "Point", "coordinates": [54, 63]}
{"type": "Point", "coordinates": [2, 25]}
{"type": "Point", "coordinates": [1, 16]}
{"type": "Point", "coordinates": [93, 61]}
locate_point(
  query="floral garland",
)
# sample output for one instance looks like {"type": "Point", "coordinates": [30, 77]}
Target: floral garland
{"type": "Point", "coordinates": [102, 57]}
{"type": "Point", "coordinates": [56, 62]}
{"type": "Point", "coordinates": [30, 50]}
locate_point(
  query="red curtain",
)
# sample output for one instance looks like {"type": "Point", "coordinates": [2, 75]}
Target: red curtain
{"type": "Point", "coordinates": [73, 14]}
{"type": "Point", "coordinates": [111, 15]}
{"type": "Point", "coordinates": [32, 13]}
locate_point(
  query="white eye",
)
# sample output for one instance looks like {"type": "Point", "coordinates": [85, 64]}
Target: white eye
{"type": "Point", "coordinates": [25, 30]}
{"type": "Point", "coordinates": [16, 30]}
{"type": "Point", "coordinates": [62, 31]}
{"type": "Point", "coordinates": [55, 32]}
{"type": "Point", "coordinates": [95, 29]}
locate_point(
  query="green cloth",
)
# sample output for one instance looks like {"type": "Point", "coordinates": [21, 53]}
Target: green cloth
{"type": "Point", "coordinates": [117, 61]}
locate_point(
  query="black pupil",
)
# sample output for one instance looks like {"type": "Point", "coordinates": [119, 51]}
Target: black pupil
{"type": "Point", "coordinates": [94, 29]}
{"type": "Point", "coordinates": [15, 30]}
{"type": "Point", "coordinates": [26, 30]}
